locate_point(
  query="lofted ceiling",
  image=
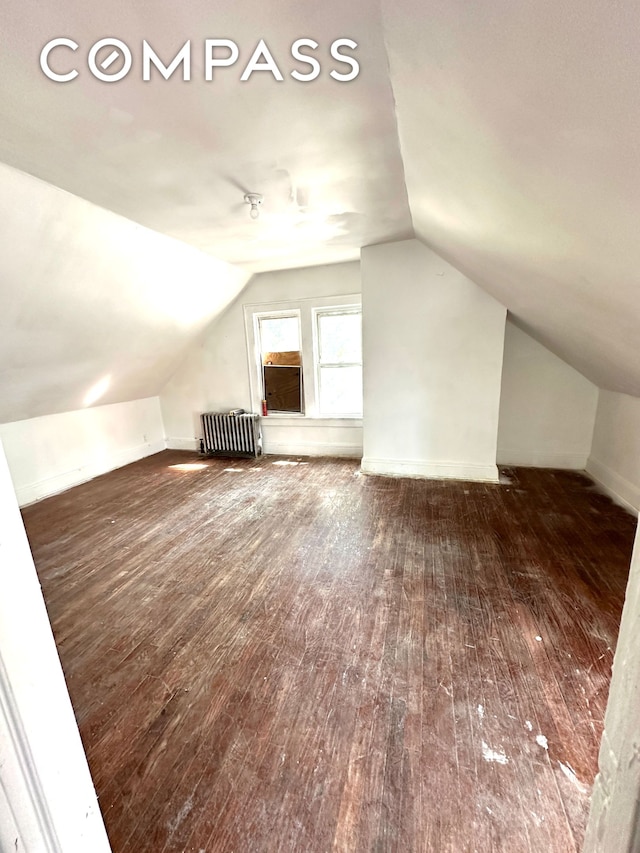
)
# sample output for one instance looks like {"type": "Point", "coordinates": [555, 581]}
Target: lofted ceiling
{"type": "Point", "coordinates": [521, 148]}
{"type": "Point", "coordinates": [503, 134]}
{"type": "Point", "coordinates": [94, 308]}
{"type": "Point", "coordinates": [178, 156]}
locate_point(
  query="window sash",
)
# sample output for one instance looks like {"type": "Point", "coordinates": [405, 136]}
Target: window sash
{"type": "Point", "coordinates": [331, 382]}
{"type": "Point", "coordinates": [289, 315]}
{"type": "Point", "coordinates": [324, 408]}
{"type": "Point", "coordinates": [334, 312]}
{"type": "Point", "coordinates": [259, 317]}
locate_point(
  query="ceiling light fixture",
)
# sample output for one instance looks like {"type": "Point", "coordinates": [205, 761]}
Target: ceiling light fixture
{"type": "Point", "coordinates": [255, 200]}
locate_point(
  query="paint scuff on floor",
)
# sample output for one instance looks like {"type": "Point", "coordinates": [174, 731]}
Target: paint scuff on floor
{"type": "Point", "coordinates": [493, 755]}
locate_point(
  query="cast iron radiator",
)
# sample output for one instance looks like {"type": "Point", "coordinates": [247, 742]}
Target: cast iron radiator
{"type": "Point", "coordinates": [231, 435]}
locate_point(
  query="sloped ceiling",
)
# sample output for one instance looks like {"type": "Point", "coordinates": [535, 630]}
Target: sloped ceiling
{"type": "Point", "coordinates": [94, 308]}
{"type": "Point", "coordinates": [505, 135]}
{"type": "Point", "coordinates": [178, 156]}
{"type": "Point", "coordinates": [519, 125]}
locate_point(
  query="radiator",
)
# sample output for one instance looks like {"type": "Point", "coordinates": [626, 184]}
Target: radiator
{"type": "Point", "coordinates": [231, 435]}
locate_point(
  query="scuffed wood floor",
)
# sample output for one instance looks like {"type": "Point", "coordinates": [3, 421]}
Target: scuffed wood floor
{"type": "Point", "coordinates": [269, 656]}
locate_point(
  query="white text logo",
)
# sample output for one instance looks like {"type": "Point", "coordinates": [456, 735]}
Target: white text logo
{"type": "Point", "coordinates": [110, 59]}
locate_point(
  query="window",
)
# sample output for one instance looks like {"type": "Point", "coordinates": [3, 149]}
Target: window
{"type": "Point", "coordinates": [305, 357]}
{"type": "Point", "coordinates": [339, 361]}
{"type": "Point", "coordinates": [281, 362]}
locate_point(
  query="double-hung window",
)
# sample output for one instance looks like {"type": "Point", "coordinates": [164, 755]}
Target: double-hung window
{"type": "Point", "coordinates": [339, 361]}
{"type": "Point", "coordinates": [281, 362]}
{"type": "Point", "coordinates": [305, 357]}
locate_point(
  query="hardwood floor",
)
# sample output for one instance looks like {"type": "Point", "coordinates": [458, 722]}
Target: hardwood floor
{"type": "Point", "coordinates": [266, 655]}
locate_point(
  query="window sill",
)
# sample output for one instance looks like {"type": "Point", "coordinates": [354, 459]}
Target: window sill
{"type": "Point", "coordinates": [306, 421]}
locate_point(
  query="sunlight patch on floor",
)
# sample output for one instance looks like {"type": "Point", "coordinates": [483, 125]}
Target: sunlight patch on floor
{"type": "Point", "coordinates": [189, 466]}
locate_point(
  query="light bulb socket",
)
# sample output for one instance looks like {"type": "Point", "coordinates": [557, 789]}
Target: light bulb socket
{"type": "Point", "coordinates": [255, 200]}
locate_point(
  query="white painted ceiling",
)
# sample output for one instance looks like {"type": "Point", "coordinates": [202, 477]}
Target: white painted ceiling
{"type": "Point", "coordinates": [94, 308]}
{"type": "Point", "coordinates": [519, 125]}
{"type": "Point", "coordinates": [178, 156]}
{"type": "Point", "coordinates": [504, 134]}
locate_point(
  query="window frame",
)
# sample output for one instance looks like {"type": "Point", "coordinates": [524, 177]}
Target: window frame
{"type": "Point", "coordinates": [305, 309]}
{"type": "Point", "coordinates": [332, 311]}
{"type": "Point", "coordinates": [258, 317]}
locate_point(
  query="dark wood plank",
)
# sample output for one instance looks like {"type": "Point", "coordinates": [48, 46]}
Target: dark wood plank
{"type": "Point", "coordinates": [284, 654]}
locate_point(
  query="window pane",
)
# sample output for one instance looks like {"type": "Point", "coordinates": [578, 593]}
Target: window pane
{"type": "Point", "coordinates": [340, 338]}
{"type": "Point", "coordinates": [279, 334]}
{"type": "Point", "coordinates": [341, 390]}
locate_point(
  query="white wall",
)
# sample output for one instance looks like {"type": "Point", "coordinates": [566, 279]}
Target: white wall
{"type": "Point", "coordinates": [432, 351]}
{"type": "Point", "coordinates": [547, 409]}
{"type": "Point", "coordinates": [615, 454]}
{"type": "Point", "coordinates": [54, 452]}
{"type": "Point", "coordinates": [215, 374]}
{"type": "Point", "coordinates": [615, 803]}
{"type": "Point", "coordinates": [47, 799]}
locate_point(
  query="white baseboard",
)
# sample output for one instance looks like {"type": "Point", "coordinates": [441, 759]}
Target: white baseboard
{"type": "Point", "coordinates": [430, 470]}
{"type": "Point", "coordinates": [312, 448]}
{"type": "Point", "coordinates": [619, 489]}
{"type": "Point", "coordinates": [542, 459]}
{"type": "Point", "coordinates": [32, 492]}
{"type": "Point", "coordinates": [284, 448]}
{"type": "Point", "coordinates": [183, 444]}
